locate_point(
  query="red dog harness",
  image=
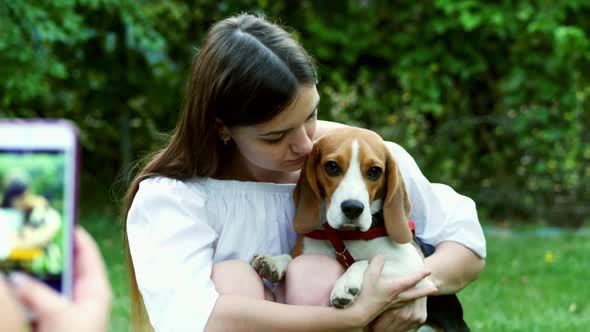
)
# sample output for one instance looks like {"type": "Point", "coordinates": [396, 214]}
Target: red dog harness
{"type": "Point", "coordinates": [337, 239]}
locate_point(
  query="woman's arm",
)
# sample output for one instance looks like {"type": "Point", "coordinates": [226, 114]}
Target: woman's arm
{"type": "Point", "coordinates": [453, 267]}
{"type": "Point", "coordinates": [236, 313]}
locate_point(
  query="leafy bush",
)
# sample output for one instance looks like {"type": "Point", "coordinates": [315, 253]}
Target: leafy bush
{"type": "Point", "coordinates": [492, 98]}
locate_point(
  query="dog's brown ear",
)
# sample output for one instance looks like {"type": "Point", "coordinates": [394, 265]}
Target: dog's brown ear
{"type": "Point", "coordinates": [396, 206]}
{"type": "Point", "coordinates": [307, 196]}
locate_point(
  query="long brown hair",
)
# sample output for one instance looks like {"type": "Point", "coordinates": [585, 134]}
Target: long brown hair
{"type": "Point", "coordinates": [247, 71]}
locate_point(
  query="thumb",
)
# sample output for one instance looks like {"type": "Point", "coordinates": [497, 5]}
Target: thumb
{"type": "Point", "coordinates": [36, 296]}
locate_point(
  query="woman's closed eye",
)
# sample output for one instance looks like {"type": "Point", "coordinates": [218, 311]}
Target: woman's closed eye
{"type": "Point", "coordinates": [274, 139]}
{"type": "Point", "coordinates": [313, 115]}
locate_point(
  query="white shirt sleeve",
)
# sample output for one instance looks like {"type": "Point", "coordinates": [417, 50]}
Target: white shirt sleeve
{"type": "Point", "coordinates": [171, 245]}
{"type": "Point", "coordinates": [440, 213]}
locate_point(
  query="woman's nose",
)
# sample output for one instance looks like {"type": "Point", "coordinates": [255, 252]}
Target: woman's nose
{"type": "Point", "coordinates": [302, 143]}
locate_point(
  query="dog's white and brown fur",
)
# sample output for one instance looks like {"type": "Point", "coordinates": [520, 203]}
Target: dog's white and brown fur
{"type": "Point", "coordinates": [349, 176]}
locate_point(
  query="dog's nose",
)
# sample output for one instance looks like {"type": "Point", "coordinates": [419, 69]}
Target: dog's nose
{"type": "Point", "coordinates": [352, 208]}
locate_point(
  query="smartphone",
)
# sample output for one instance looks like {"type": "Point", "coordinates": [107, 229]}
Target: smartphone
{"type": "Point", "coordinates": [38, 195]}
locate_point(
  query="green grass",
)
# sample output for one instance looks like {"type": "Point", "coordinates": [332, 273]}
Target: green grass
{"type": "Point", "coordinates": [521, 289]}
{"type": "Point", "coordinates": [108, 233]}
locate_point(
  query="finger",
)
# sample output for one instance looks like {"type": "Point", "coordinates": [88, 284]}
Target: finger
{"type": "Point", "coordinates": [36, 296]}
{"type": "Point", "coordinates": [88, 255]}
{"type": "Point", "coordinates": [90, 276]}
{"type": "Point", "coordinates": [416, 293]}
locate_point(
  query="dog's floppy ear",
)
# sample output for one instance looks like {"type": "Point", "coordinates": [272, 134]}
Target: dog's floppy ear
{"type": "Point", "coordinates": [307, 196]}
{"type": "Point", "coordinates": [396, 206]}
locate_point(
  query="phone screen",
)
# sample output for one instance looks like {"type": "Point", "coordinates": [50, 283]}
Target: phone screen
{"type": "Point", "coordinates": [35, 227]}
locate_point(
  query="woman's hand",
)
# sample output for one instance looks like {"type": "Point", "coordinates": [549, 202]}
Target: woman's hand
{"type": "Point", "coordinates": [380, 294]}
{"type": "Point", "coordinates": [89, 308]}
{"type": "Point", "coordinates": [408, 317]}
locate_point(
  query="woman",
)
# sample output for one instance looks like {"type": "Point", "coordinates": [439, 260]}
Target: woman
{"type": "Point", "coordinates": [220, 192]}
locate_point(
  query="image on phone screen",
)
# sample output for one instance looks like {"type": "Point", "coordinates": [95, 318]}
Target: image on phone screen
{"type": "Point", "coordinates": [33, 214]}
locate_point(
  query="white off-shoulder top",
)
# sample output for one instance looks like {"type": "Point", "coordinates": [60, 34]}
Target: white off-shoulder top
{"type": "Point", "coordinates": [177, 230]}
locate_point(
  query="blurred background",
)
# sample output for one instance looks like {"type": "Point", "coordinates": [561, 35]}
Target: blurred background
{"type": "Point", "coordinates": [492, 98]}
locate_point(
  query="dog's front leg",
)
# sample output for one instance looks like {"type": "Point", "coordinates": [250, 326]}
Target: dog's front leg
{"type": "Point", "coordinates": [272, 268]}
{"type": "Point", "coordinates": [348, 286]}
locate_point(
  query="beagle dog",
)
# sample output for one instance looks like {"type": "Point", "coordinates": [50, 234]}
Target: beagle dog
{"type": "Point", "coordinates": [351, 184]}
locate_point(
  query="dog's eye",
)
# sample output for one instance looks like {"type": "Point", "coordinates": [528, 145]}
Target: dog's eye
{"type": "Point", "coordinates": [332, 168]}
{"type": "Point", "coordinates": [374, 173]}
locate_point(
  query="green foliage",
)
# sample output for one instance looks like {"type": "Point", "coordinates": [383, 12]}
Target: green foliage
{"type": "Point", "coordinates": [93, 62]}
{"type": "Point", "coordinates": [490, 97]}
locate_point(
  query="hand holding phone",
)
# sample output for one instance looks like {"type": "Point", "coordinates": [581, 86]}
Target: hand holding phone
{"type": "Point", "coordinates": [89, 308]}
{"type": "Point", "coordinates": [57, 273]}
{"type": "Point", "coordinates": [38, 199]}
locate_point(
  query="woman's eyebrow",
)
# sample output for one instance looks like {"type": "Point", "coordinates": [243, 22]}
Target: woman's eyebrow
{"type": "Point", "coordinates": [276, 132]}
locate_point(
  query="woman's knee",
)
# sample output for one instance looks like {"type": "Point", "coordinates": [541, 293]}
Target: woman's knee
{"type": "Point", "coordinates": [310, 279]}
{"type": "Point", "coordinates": [238, 278]}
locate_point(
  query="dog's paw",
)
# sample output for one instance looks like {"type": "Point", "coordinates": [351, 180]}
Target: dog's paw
{"type": "Point", "coordinates": [345, 291]}
{"type": "Point", "coordinates": [268, 268]}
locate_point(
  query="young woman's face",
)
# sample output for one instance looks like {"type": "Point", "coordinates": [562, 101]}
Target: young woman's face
{"type": "Point", "coordinates": [283, 143]}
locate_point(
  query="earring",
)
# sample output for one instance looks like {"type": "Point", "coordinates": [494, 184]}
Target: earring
{"type": "Point", "coordinates": [225, 139]}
